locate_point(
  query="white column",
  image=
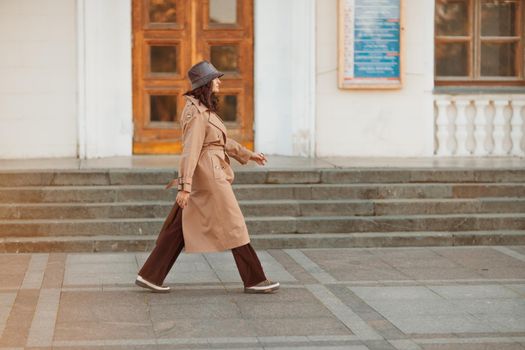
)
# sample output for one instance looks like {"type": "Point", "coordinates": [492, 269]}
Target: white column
{"type": "Point", "coordinates": [499, 126]}
{"type": "Point", "coordinates": [284, 77]}
{"type": "Point", "coordinates": [442, 127]}
{"type": "Point", "coordinates": [517, 128]}
{"type": "Point", "coordinates": [105, 114]}
{"type": "Point", "coordinates": [81, 81]}
{"type": "Point", "coordinates": [461, 127]}
{"type": "Point", "coordinates": [480, 125]}
{"type": "Point", "coordinates": [303, 81]}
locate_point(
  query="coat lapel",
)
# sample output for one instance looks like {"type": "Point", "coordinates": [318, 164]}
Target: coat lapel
{"type": "Point", "coordinates": [213, 119]}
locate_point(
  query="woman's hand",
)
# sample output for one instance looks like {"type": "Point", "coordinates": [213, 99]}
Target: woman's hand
{"type": "Point", "coordinates": [182, 198]}
{"type": "Point", "coordinates": [260, 158]}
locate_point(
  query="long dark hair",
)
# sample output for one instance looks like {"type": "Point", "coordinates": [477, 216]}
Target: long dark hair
{"type": "Point", "coordinates": [206, 96]}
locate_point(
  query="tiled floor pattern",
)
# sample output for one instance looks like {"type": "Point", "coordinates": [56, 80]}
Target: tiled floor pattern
{"type": "Point", "coordinates": [424, 298]}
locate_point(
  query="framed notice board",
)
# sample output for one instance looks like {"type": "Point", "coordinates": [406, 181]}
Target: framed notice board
{"type": "Point", "coordinates": [370, 44]}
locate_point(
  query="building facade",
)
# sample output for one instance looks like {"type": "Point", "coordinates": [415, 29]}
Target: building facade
{"type": "Point", "coordinates": [99, 78]}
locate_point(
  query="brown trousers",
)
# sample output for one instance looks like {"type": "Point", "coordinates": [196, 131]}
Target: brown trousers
{"type": "Point", "coordinates": [169, 245]}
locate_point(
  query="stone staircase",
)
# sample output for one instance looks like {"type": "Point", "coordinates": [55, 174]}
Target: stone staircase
{"type": "Point", "coordinates": [123, 210]}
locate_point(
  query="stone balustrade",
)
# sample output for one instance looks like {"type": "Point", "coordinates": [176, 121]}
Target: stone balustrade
{"type": "Point", "coordinates": [479, 125]}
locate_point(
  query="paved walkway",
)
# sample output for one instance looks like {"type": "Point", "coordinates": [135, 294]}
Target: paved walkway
{"type": "Point", "coordinates": [433, 298]}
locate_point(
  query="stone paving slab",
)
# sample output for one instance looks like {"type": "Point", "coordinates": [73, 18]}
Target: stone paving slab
{"type": "Point", "coordinates": [419, 298]}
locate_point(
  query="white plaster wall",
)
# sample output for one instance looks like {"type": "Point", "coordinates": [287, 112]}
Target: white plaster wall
{"type": "Point", "coordinates": [105, 79]}
{"type": "Point", "coordinates": [284, 76]}
{"type": "Point", "coordinates": [38, 78]}
{"type": "Point", "coordinates": [377, 123]}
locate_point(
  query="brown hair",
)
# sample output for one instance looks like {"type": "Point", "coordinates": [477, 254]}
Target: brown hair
{"type": "Point", "coordinates": [206, 96]}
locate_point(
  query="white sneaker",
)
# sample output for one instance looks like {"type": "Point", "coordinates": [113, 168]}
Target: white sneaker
{"type": "Point", "coordinates": [265, 286]}
{"type": "Point", "coordinates": [141, 282]}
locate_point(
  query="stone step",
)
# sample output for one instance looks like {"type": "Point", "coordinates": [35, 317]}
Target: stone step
{"type": "Point", "coordinates": [273, 224]}
{"type": "Point", "coordinates": [145, 243]}
{"type": "Point", "coordinates": [255, 208]}
{"type": "Point", "coordinates": [261, 175]}
{"type": "Point", "coordinates": [117, 193]}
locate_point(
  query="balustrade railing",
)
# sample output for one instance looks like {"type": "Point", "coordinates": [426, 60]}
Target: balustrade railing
{"type": "Point", "coordinates": [479, 125]}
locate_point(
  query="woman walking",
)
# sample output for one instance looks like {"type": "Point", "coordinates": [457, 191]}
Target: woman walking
{"type": "Point", "coordinates": [206, 216]}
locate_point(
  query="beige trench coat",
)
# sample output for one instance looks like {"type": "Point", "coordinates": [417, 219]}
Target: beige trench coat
{"type": "Point", "coordinates": [212, 220]}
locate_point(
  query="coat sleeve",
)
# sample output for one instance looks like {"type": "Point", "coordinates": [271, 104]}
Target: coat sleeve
{"type": "Point", "coordinates": [193, 133]}
{"type": "Point", "coordinates": [237, 151]}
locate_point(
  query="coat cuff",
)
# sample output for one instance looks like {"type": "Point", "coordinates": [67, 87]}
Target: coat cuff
{"type": "Point", "coordinates": [184, 184]}
{"type": "Point", "coordinates": [184, 187]}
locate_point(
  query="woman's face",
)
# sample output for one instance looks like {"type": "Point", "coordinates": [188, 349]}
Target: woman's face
{"type": "Point", "coordinates": [215, 83]}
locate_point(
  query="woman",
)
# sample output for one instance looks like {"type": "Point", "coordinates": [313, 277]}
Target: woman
{"type": "Point", "coordinates": [206, 216]}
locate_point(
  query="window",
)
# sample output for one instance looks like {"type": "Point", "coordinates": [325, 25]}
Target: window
{"type": "Point", "coordinates": [479, 42]}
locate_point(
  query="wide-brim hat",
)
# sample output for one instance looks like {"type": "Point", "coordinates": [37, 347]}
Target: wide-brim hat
{"type": "Point", "coordinates": [202, 73]}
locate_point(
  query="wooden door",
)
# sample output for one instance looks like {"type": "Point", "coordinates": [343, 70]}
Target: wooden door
{"type": "Point", "coordinates": [169, 36]}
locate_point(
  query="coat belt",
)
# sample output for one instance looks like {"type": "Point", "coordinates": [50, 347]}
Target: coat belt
{"type": "Point", "coordinates": [212, 147]}
{"type": "Point", "coordinates": [177, 182]}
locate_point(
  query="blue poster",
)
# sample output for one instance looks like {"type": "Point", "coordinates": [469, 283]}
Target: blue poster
{"type": "Point", "coordinates": [376, 37]}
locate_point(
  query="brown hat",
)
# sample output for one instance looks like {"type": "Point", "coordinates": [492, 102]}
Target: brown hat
{"type": "Point", "coordinates": [202, 73]}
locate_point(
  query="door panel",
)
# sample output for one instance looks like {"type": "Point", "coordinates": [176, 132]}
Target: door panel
{"type": "Point", "coordinates": [169, 37]}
